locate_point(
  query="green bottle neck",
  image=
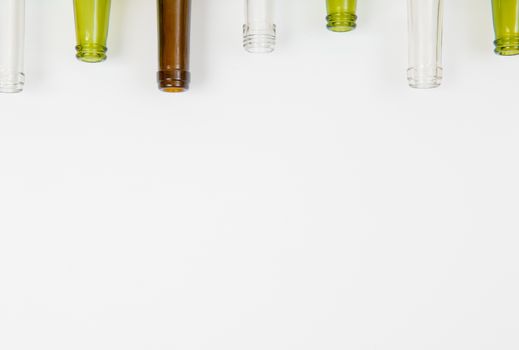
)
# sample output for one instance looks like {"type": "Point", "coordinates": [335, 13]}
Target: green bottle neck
{"type": "Point", "coordinates": [341, 21]}
{"type": "Point", "coordinates": [507, 45]}
{"type": "Point", "coordinates": [91, 53]}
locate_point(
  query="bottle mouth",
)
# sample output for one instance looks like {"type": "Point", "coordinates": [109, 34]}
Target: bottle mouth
{"type": "Point", "coordinates": [174, 81]}
{"type": "Point", "coordinates": [425, 78]}
{"type": "Point", "coordinates": [259, 43]}
{"type": "Point", "coordinates": [11, 83]}
{"type": "Point", "coordinates": [341, 22]}
{"type": "Point", "coordinates": [507, 46]}
{"type": "Point", "coordinates": [259, 39]}
{"type": "Point", "coordinates": [91, 53]}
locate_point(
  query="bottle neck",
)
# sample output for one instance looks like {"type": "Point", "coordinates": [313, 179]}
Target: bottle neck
{"type": "Point", "coordinates": [507, 46]}
{"type": "Point", "coordinates": [341, 21]}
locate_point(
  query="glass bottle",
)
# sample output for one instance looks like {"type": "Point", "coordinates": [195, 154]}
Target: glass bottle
{"type": "Point", "coordinates": [259, 30]}
{"type": "Point", "coordinates": [174, 21]}
{"type": "Point", "coordinates": [12, 27]}
{"type": "Point", "coordinates": [425, 43]}
{"type": "Point", "coordinates": [92, 18]}
{"type": "Point", "coordinates": [341, 15]}
{"type": "Point", "coordinates": [506, 25]}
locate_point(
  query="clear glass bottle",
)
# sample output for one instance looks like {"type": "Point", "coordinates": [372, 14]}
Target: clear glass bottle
{"type": "Point", "coordinates": [259, 30]}
{"type": "Point", "coordinates": [92, 19]}
{"type": "Point", "coordinates": [174, 19]}
{"type": "Point", "coordinates": [506, 25]}
{"type": "Point", "coordinates": [12, 28]}
{"type": "Point", "coordinates": [342, 15]}
{"type": "Point", "coordinates": [425, 43]}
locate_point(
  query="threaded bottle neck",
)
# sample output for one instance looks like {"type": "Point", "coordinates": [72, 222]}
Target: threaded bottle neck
{"type": "Point", "coordinates": [425, 77]}
{"type": "Point", "coordinates": [259, 39]}
{"type": "Point", "coordinates": [341, 21]}
{"type": "Point", "coordinates": [173, 81]}
{"type": "Point", "coordinates": [507, 46]}
{"type": "Point", "coordinates": [91, 53]}
{"type": "Point", "coordinates": [11, 82]}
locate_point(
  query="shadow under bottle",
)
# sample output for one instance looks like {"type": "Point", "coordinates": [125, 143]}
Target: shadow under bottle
{"type": "Point", "coordinates": [174, 20]}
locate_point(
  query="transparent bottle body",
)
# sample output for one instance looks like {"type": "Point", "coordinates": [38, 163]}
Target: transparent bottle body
{"type": "Point", "coordinates": [341, 15]}
{"type": "Point", "coordinates": [92, 20]}
{"type": "Point", "coordinates": [506, 26]}
{"type": "Point", "coordinates": [12, 28]}
{"type": "Point", "coordinates": [259, 31]}
{"type": "Point", "coordinates": [425, 43]}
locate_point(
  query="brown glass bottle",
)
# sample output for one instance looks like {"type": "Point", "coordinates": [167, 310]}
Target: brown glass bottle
{"type": "Point", "coordinates": [174, 17]}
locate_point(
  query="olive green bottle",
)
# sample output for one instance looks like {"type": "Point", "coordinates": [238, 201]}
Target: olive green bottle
{"type": "Point", "coordinates": [506, 25]}
{"type": "Point", "coordinates": [92, 17]}
{"type": "Point", "coordinates": [341, 15]}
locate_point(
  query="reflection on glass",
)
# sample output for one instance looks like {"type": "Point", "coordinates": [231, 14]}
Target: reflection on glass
{"type": "Point", "coordinates": [425, 43]}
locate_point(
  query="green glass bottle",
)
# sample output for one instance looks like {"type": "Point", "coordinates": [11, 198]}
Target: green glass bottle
{"type": "Point", "coordinates": [92, 17]}
{"type": "Point", "coordinates": [506, 25]}
{"type": "Point", "coordinates": [341, 15]}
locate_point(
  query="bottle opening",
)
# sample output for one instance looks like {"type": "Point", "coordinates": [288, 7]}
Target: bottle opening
{"type": "Point", "coordinates": [91, 53]}
{"type": "Point", "coordinates": [341, 22]}
{"type": "Point", "coordinates": [507, 46]}
{"type": "Point", "coordinates": [11, 83]}
{"type": "Point", "coordinates": [173, 81]}
{"type": "Point", "coordinates": [259, 39]}
{"type": "Point", "coordinates": [425, 78]}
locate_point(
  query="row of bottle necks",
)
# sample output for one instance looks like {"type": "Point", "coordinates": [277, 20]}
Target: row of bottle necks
{"type": "Point", "coordinates": [259, 36]}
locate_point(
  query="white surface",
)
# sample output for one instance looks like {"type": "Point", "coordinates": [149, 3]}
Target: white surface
{"type": "Point", "coordinates": [303, 200]}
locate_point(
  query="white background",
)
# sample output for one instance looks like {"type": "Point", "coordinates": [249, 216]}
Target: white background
{"type": "Point", "coordinates": [306, 199]}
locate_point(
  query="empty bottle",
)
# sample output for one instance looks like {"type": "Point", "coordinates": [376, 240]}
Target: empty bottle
{"type": "Point", "coordinates": [259, 30]}
{"type": "Point", "coordinates": [425, 43]}
{"type": "Point", "coordinates": [341, 15]}
{"type": "Point", "coordinates": [174, 19]}
{"type": "Point", "coordinates": [506, 25]}
{"type": "Point", "coordinates": [92, 19]}
{"type": "Point", "coordinates": [12, 27]}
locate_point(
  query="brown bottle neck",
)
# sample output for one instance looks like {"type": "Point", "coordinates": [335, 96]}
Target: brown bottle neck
{"type": "Point", "coordinates": [174, 17]}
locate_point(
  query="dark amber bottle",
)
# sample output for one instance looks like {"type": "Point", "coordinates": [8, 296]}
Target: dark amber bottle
{"type": "Point", "coordinates": [174, 17]}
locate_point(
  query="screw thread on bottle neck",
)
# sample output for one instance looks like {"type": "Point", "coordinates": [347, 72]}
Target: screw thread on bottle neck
{"type": "Point", "coordinates": [507, 46]}
{"type": "Point", "coordinates": [259, 39]}
{"type": "Point", "coordinates": [425, 77]}
{"type": "Point", "coordinates": [341, 21]}
{"type": "Point", "coordinates": [11, 82]}
{"type": "Point", "coordinates": [91, 53]}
